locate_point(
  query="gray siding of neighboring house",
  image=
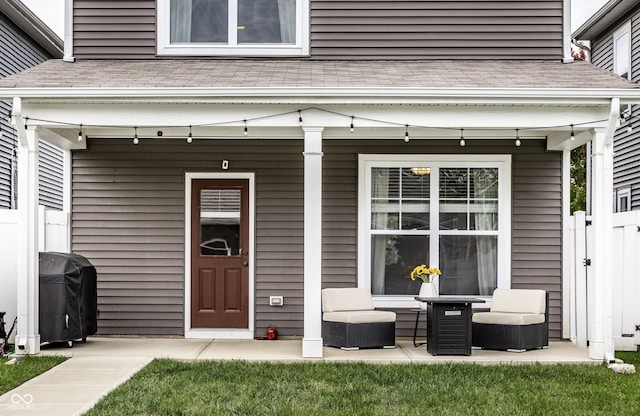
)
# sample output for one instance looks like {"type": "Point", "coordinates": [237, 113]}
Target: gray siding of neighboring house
{"type": "Point", "coordinates": [378, 29]}
{"type": "Point", "coordinates": [17, 53]}
{"type": "Point", "coordinates": [626, 145]}
{"type": "Point", "coordinates": [128, 220]}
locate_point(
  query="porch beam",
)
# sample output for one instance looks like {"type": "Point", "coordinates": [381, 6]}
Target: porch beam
{"type": "Point", "coordinates": [27, 335]}
{"type": "Point", "coordinates": [312, 341]}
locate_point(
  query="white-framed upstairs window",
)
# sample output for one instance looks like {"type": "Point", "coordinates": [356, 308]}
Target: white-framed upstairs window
{"type": "Point", "coordinates": [622, 51]}
{"type": "Point", "coordinates": [623, 200]}
{"type": "Point", "coordinates": [453, 212]}
{"type": "Point", "coordinates": [233, 27]}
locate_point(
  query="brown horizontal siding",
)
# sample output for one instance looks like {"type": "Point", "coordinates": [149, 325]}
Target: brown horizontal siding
{"type": "Point", "coordinates": [436, 29]}
{"type": "Point", "coordinates": [128, 220]}
{"type": "Point", "coordinates": [123, 29]}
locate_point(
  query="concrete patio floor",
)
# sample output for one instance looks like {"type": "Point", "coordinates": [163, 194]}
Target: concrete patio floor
{"type": "Point", "coordinates": [101, 364]}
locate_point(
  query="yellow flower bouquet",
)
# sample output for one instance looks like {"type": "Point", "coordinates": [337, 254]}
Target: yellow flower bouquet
{"type": "Point", "coordinates": [424, 273]}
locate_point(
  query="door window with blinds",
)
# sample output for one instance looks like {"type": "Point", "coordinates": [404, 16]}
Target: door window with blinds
{"type": "Point", "coordinates": [220, 222]}
{"type": "Point", "coordinates": [453, 215]}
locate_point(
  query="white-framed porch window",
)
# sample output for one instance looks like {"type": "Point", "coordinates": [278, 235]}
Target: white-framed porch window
{"type": "Point", "coordinates": [233, 27]}
{"type": "Point", "coordinates": [623, 200]}
{"type": "Point", "coordinates": [622, 51]}
{"type": "Point", "coordinates": [447, 211]}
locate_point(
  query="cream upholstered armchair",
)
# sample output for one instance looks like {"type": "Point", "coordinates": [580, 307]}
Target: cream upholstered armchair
{"type": "Point", "coordinates": [517, 321]}
{"type": "Point", "coordinates": [350, 321]}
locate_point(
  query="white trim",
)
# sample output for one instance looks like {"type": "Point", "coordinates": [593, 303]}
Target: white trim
{"type": "Point", "coordinates": [365, 161]}
{"type": "Point", "coordinates": [300, 48]}
{"type": "Point", "coordinates": [623, 31]}
{"type": "Point", "coordinates": [220, 333]}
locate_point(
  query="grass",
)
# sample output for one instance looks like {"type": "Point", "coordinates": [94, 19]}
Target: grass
{"type": "Point", "coordinates": [175, 388]}
{"type": "Point", "coordinates": [11, 376]}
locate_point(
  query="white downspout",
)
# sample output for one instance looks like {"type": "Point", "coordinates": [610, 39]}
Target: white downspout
{"type": "Point", "coordinates": [68, 31]}
{"type": "Point", "coordinates": [28, 280]}
{"type": "Point", "coordinates": [566, 32]}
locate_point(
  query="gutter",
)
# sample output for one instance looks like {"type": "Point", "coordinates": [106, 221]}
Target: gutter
{"type": "Point", "coordinates": [68, 32]}
{"type": "Point", "coordinates": [26, 20]}
{"type": "Point", "coordinates": [566, 32]}
{"type": "Point", "coordinates": [327, 94]}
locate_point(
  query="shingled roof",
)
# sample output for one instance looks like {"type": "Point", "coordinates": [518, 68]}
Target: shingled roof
{"type": "Point", "coordinates": [199, 73]}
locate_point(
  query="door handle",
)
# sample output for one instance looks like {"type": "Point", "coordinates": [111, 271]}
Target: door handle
{"type": "Point", "coordinates": [245, 263]}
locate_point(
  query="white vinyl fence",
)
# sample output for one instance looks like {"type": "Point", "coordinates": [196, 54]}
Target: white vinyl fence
{"type": "Point", "coordinates": [625, 278]}
{"type": "Point", "coordinates": [54, 236]}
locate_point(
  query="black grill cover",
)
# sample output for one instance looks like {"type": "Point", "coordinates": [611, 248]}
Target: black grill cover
{"type": "Point", "coordinates": [68, 297]}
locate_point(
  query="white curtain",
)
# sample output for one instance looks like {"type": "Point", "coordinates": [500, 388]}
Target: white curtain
{"type": "Point", "coordinates": [486, 246]}
{"type": "Point", "coordinates": [380, 189]}
{"type": "Point", "coordinates": [181, 21]}
{"type": "Point", "coordinates": [287, 11]}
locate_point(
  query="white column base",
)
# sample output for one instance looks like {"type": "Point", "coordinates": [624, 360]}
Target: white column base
{"type": "Point", "coordinates": [312, 347]}
{"type": "Point", "coordinates": [30, 345]}
{"type": "Point", "coordinates": [596, 350]}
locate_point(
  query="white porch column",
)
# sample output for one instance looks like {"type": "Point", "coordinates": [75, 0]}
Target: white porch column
{"type": "Point", "coordinates": [312, 341]}
{"type": "Point", "coordinates": [600, 311]}
{"type": "Point", "coordinates": [27, 335]}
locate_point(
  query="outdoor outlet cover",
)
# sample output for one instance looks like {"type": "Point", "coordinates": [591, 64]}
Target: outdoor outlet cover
{"type": "Point", "coordinates": [276, 300]}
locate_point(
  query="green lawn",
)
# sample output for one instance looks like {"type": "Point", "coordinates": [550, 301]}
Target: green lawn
{"type": "Point", "coordinates": [12, 376]}
{"type": "Point", "coordinates": [175, 388]}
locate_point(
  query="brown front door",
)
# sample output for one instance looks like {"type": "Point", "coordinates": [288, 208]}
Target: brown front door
{"type": "Point", "coordinates": [219, 253]}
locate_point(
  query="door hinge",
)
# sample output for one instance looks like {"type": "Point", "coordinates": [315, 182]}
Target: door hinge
{"type": "Point", "coordinates": [588, 222]}
{"type": "Point", "coordinates": [637, 327]}
{"type": "Point", "coordinates": [586, 262]}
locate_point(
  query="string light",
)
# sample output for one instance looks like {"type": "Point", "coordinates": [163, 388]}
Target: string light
{"type": "Point", "coordinates": [406, 133]}
{"type": "Point", "coordinates": [80, 134]}
{"type": "Point", "coordinates": [573, 136]}
{"type": "Point", "coordinates": [190, 136]}
{"type": "Point", "coordinates": [351, 127]}
{"type": "Point", "coordinates": [518, 142]}
{"type": "Point", "coordinates": [135, 136]}
{"type": "Point", "coordinates": [246, 130]}
{"type": "Point", "coordinates": [462, 142]}
{"type": "Point", "coordinates": [300, 118]}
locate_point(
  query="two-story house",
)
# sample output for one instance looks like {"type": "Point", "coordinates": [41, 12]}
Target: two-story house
{"type": "Point", "coordinates": [26, 42]}
{"type": "Point", "coordinates": [225, 152]}
{"type": "Point", "coordinates": [611, 33]}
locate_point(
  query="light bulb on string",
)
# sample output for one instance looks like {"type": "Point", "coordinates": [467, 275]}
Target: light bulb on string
{"type": "Point", "coordinates": [518, 142]}
{"type": "Point", "coordinates": [462, 142]}
{"type": "Point", "coordinates": [406, 133]}
{"type": "Point", "coordinates": [80, 134]}
{"type": "Point", "coordinates": [190, 136]}
{"type": "Point", "coordinates": [573, 136]}
{"type": "Point", "coordinates": [246, 130]}
{"type": "Point", "coordinates": [351, 126]}
{"type": "Point", "coordinates": [135, 136]}
{"type": "Point", "coordinates": [300, 118]}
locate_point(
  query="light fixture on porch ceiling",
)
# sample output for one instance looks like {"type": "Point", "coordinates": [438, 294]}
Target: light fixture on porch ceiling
{"type": "Point", "coordinates": [420, 171]}
{"type": "Point", "coordinates": [462, 142]}
{"type": "Point", "coordinates": [518, 142]}
{"type": "Point", "coordinates": [80, 134]}
{"type": "Point", "coordinates": [406, 133]}
{"type": "Point", "coordinates": [573, 136]}
{"type": "Point", "coordinates": [190, 136]}
{"type": "Point", "coordinates": [135, 136]}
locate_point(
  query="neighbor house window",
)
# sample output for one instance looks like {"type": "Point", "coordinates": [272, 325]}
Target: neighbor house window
{"type": "Point", "coordinates": [233, 27]}
{"type": "Point", "coordinates": [442, 212]}
{"type": "Point", "coordinates": [623, 200]}
{"type": "Point", "coordinates": [622, 52]}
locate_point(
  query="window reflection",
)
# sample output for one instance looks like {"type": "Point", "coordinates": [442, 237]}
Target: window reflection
{"type": "Point", "coordinates": [220, 222]}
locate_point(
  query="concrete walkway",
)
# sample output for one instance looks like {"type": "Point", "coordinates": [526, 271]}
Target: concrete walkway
{"type": "Point", "coordinates": [102, 364]}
